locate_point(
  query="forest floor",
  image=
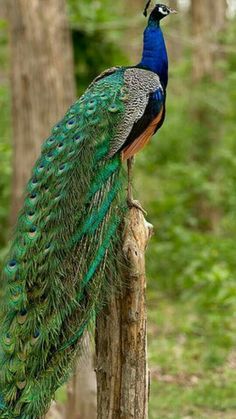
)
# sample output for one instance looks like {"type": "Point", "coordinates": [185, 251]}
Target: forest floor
{"type": "Point", "coordinates": [190, 376]}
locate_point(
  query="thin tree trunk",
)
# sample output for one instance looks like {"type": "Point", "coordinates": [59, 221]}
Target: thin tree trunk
{"type": "Point", "coordinates": [175, 34]}
{"type": "Point", "coordinates": [202, 56]}
{"type": "Point", "coordinates": [130, 41]}
{"type": "Point", "coordinates": [3, 9]}
{"type": "Point", "coordinates": [121, 335]}
{"type": "Point", "coordinates": [42, 80]}
{"type": "Point", "coordinates": [208, 19]}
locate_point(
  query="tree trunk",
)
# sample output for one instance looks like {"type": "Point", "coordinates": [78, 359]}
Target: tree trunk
{"type": "Point", "coordinates": [3, 9]}
{"type": "Point", "coordinates": [42, 80]}
{"type": "Point", "coordinates": [130, 41]}
{"type": "Point", "coordinates": [121, 335]}
{"type": "Point", "coordinates": [217, 11]}
{"type": "Point", "coordinates": [202, 56]}
{"type": "Point", "coordinates": [82, 390]}
{"type": "Point", "coordinates": [175, 34]}
{"type": "Point", "coordinates": [208, 18]}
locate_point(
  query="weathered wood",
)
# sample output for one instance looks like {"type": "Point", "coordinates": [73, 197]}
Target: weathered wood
{"type": "Point", "coordinates": [82, 389]}
{"type": "Point", "coordinates": [121, 335]}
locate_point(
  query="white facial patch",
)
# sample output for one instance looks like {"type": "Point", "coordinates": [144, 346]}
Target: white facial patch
{"type": "Point", "coordinates": [163, 10]}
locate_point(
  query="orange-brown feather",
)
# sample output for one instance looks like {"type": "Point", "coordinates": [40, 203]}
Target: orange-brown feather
{"type": "Point", "coordinates": [142, 140]}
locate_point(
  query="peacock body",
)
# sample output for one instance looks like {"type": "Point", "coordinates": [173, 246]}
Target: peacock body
{"type": "Point", "coordinates": [62, 264]}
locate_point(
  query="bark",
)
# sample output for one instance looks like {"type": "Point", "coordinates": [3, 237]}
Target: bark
{"type": "Point", "coordinates": [82, 390]}
{"type": "Point", "coordinates": [42, 80]}
{"type": "Point", "coordinates": [121, 335]}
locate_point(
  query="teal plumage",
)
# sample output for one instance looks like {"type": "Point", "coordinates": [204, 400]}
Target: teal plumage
{"type": "Point", "coordinates": [63, 233]}
{"type": "Point", "coordinates": [65, 252]}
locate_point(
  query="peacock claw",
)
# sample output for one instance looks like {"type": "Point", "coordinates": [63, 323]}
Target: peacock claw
{"type": "Point", "coordinates": [132, 203]}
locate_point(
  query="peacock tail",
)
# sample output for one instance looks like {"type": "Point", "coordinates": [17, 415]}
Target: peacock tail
{"type": "Point", "coordinates": [64, 258]}
{"type": "Point", "coordinates": [64, 242]}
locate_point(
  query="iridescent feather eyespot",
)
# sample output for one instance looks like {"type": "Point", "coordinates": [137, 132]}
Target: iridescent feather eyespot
{"type": "Point", "coordinates": [12, 264]}
{"type": "Point", "coordinates": [90, 111]}
{"type": "Point", "coordinates": [104, 96]}
{"type": "Point", "coordinates": [34, 181]}
{"type": "Point", "coordinates": [113, 108]}
{"type": "Point", "coordinates": [11, 267]}
{"type": "Point", "coordinates": [32, 231]}
{"type": "Point", "coordinates": [22, 316]}
{"type": "Point", "coordinates": [47, 248]}
{"type": "Point", "coordinates": [50, 155]}
{"type": "Point", "coordinates": [51, 140]}
{"type": "Point", "coordinates": [60, 147]}
{"type": "Point", "coordinates": [77, 139]}
{"type": "Point", "coordinates": [70, 124]}
{"type": "Point", "coordinates": [17, 296]}
{"type": "Point", "coordinates": [8, 343]}
{"type": "Point", "coordinates": [30, 215]}
{"type": "Point", "coordinates": [33, 198]}
{"type": "Point", "coordinates": [41, 167]}
{"type": "Point", "coordinates": [56, 128]}
{"type": "Point", "coordinates": [7, 339]}
{"type": "Point", "coordinates": [35, 337]}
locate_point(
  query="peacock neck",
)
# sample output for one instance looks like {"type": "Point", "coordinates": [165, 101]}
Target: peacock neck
{"type": "Point", "coordinates": [155, 56]}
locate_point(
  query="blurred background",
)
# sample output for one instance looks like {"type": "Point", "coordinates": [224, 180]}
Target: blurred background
{"type": "Point", "coordinates": [186, 178]}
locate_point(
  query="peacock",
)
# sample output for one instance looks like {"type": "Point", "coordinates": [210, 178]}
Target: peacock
{"type": "Point", "coordinates": [62, 263]}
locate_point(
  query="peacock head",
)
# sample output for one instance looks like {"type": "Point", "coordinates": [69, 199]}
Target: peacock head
{"type": "Point", "coordinates": [159, 12]}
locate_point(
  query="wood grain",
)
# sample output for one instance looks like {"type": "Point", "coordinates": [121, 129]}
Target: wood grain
{"type": "Point", "coordinates": [121, 337]}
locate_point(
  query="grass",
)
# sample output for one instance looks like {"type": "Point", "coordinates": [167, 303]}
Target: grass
{"type": "Point", "coordinates": [191, 377]}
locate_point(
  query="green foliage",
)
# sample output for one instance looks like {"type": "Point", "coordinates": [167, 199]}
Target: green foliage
{"type": "Point", "coordinates": [88, 67]}
{"type": "Point", "coordinates": [95, 39]}
{"type": "Point", "coordinates": [186, 179]}
{"type": "Point", "coordinates": [189, 177]}
{"type": "Point", "coordinates": [93, 13]}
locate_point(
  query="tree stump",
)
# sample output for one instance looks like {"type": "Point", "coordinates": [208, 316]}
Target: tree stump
{"type": "Point", "coordinates": [121, 335]}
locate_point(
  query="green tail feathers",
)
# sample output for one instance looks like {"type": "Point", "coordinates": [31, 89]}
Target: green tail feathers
{"type": "Point", "coordinates": [62, 262]}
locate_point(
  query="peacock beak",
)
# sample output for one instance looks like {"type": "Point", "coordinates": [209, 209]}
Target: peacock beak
{"type": "Point", "coordinates": [173, 11]}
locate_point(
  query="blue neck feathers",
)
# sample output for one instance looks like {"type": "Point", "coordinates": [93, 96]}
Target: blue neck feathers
{"type": "Point", "coordinates": [155, 56]}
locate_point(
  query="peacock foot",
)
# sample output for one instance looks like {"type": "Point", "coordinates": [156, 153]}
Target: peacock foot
{"type": "Point", "coordinates": [132, 203]}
